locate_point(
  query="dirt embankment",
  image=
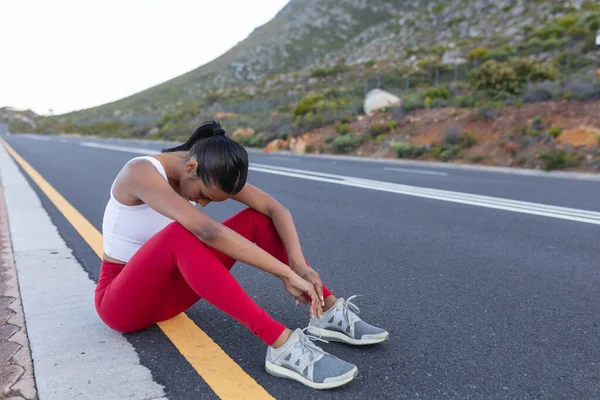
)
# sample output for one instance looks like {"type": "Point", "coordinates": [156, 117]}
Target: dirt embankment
{"type": "Point", "coordinates": [513, 136]}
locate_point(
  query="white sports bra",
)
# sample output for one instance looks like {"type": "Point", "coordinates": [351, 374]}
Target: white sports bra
{"type": "Point", "coordinates": [126, 228]}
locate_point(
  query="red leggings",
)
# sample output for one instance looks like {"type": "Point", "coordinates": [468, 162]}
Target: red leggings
{"type": "Point", "coordinates": [174, 269]}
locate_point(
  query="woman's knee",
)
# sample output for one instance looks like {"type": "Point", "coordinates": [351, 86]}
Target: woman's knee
{"type": "Point", "coordinates": [258, 218]}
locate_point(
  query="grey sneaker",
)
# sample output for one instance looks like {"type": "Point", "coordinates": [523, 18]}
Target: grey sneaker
{"type": "Point", "coordinates": [341, 324]}
{"type": "Point", "coordinates": [301, 360]}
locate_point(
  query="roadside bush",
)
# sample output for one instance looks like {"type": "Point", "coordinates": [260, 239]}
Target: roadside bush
{"type": "Point", "coordinates": [345, 143]}
{"type": "Point", "coordinates": [465, 100]}
{"type": "Point", "coordinates": [249, 141]}
{"type": "Point", "coordinates": [438, 92]}
{"type": "Point", "coordinates": [308, 148]}
{"type": "Point", "coordinates": [520, 160]}
{"type": "Point", "coordinates": [555, 131]}
{"type": "Point", "coordinates": [342, 128]}
{"type": "Point", "coordinates": [308, 104]}
{"type": "Point", "coordinates": [556, 159]}
{"type": "Point", "coordinates": [404, 150]}
{"type": "Point", "coordinates": [309, 121]}
{"type": "Point", "coordinates": [378, 129]}
{"type": "Point", "coordinates": [493, 76]}
{"type": "Point", "coordinates": [467, 140]}
{"type": "Point", "coordinates": [451, 135]}
{"type": "Point", "coordinates": [541, 91]}
{"type": "Point", "coordinates": [510, 77]}
{"type": "Point", "coordinates": [450, 152]}
{"type": "Point", "coordinates": [392, 125]}
{"type": "Point", "coordinates": [477, 158]}
{"type": "Point", "coordinates": [329, 139]}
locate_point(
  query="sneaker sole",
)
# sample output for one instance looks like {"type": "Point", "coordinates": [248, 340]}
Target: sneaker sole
{"type": "Point", "coordinates": [334, 336]}
{"type": "Point", "coordinates": [282, 372]}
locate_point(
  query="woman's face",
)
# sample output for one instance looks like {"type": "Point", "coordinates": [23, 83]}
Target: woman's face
{"type": "Point", "coordinates": [192, 187]}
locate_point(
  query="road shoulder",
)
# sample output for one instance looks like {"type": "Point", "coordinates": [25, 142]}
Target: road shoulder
{"type": "Point", "coordinates": [74, 354]}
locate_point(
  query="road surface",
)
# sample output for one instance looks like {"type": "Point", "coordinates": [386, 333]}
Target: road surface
{"type": "Point", "coordinates": [488, 283]}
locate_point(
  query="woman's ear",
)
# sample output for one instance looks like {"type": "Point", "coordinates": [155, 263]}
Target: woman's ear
{"type": "Point", "coordinates": [191, 167]}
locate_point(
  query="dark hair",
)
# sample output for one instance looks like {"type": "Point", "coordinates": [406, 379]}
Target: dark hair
{"type": "Point", "coordinates": [221, 161]}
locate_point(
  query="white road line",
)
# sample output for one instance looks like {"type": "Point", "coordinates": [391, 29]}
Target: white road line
{"type": "Point", "coordinates": [416, 171]}
{"type": "Point", "coordinates": [38, 137]}
{"type": "Point", "coordinates": [284, 158]}
{"type": "Point", "coordinates": [74, 354]}
{"type": "Point", "coordinates": [524, 207]}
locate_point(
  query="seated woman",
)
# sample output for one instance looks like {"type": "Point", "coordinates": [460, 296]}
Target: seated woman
{"type": "Point", "coordinates": [162, 254]}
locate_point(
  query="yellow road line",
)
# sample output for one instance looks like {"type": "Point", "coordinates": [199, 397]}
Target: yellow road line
{"type": "Point", "coordinates": [226, 378]}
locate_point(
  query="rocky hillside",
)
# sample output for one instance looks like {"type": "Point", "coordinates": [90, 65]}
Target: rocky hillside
{"type": "Point", "coordinates": [19, 121]}
{"type": "Point", "coordinates": [493, 77]}
{"type": "Point", "coordinates": [309, 35]}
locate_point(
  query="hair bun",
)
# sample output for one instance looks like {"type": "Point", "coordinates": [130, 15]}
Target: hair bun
{"type": "Point", "coordinates": [218, 131]}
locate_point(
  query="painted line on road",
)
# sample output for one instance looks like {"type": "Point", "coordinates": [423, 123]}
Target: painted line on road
{"type": "Point", "coordinates": [225, 377]}
{"type": "Point", "coordinates": [498, 203]}
{"type": "Point", "coordinates": [416, 171]}
{"type": "Point", "coordinates": [74, 354]}
{"type": "Point", "coordinates": [38, 137]}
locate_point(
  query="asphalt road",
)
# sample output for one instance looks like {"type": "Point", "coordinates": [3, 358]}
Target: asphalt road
{"type": "Point", "coordinates": [480, 303]}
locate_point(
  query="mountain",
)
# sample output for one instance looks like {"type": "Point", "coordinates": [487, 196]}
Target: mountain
{"type": "Point", "coordinates": [315, 44]}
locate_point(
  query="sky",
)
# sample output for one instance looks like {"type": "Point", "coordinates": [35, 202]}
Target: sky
{"type": "Point", "coordinates": [66, 55]}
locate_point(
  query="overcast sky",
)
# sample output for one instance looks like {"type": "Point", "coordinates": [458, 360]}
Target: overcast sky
{"type": "Point", "coordinates": [67, 55]}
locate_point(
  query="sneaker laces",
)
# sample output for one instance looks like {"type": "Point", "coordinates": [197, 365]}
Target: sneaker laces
{"type": "Point", "coordinates": [306, 344]}
{"type": "Point", "coordinates": [349, 307]}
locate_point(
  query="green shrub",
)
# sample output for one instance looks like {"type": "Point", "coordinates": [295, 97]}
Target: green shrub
{"type": "Point", "coordinates": [466, 100]}
{"type": "Point", "coordinates": [493, 76]}
{"type": "Point", "coordinates": [510, 77]}
{"type": "Point", "coordinates": [590, 6]}
{"type": "Point", "coordinates": [308, 104]}
{"type": "Point", "coordinates": [428, 101]}
{"type": "Point", "coordinates": [249, 141]}
{"type": "Point", "coordinates": [556, 159]}
{"type": "Point", "coordinates": [329, 139]}
{"type": "Point", "coordinates": [567, 21]}
{"type": "Point", "coordinates": [478, 53]}
{"type": "Point", "coordinates": [308, 148]}
{"type": "Point", "coordinates": [439, 92]}
{"type": "Point", "coordinates": [404, 150]}
{"type": "Point", "coordinates": [467, 140]}
{"type": "Point", "coordinates": [532, 71]}
{"type": "Point", "coordinates": [378, 129]}
{"type": "Point", "coordinates": [552, 30]}
{"type": "Point", "coordinates": [284, 136]}
{"type": "Point", "coordinates": [450, 152]}
{"type": "Point", "coordinates": [309, 121]}
{"type": "Point", "coordinates": [477, 158]}
{"type": "Point", "coordinates": [536, 123]}
{"type": "Point", "coordinates": [555, 131]}
{"type": "Point", "coordinates": [451, 135]}
{"type": "Point", "coordinates": [392, 125]}
{"type": "Point", "coordinates": [533, 132]}
{"type": "Point", "coordinates": [380, 139]}
{"type": "Point", "coordinates": [446, 153]}
{"type": "Point", "coordinates": [325, 72]}
{"type": "Point", "coordinates": [342, 128]}
{"type": "Point", "coordinates": [520, 160]}
{"type": "Point", "coordinates": [345, 143]}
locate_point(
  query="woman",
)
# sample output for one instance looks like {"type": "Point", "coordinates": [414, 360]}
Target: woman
{"type": "Point", "coordinates": [162, 254]}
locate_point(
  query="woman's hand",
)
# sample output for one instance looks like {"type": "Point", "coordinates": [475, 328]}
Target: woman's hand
{"type": "Point", "coordinates": [303, 290]}
{"type": "Point", "coordinates": [310, 275]}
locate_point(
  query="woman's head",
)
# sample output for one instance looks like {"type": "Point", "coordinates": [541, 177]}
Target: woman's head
{"type": "Point", "coordinates": [217, 166]}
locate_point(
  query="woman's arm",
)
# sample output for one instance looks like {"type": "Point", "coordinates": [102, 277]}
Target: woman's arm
{"type": "Point", "coordinates": [284, 224]}
{"type": "Point", "coordinates": [145, 183]}
{"type": "Point", "coordinates": [281, 216]}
